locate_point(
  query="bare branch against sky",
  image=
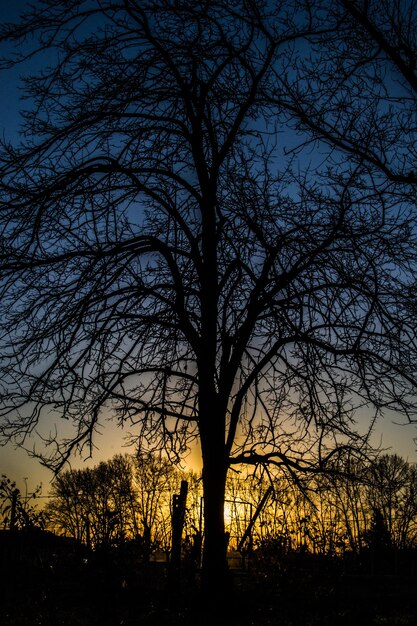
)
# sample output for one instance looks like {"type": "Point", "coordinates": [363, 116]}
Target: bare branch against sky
{"type": "Point", "coordinates": [208, 230]}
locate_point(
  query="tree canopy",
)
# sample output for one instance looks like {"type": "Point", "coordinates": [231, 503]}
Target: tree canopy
{"type": "Point", "coordinates": [208, 228]}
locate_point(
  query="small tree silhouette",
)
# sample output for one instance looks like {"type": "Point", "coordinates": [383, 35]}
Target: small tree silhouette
{"type": "Point", "coordinates": [19, 512]}
{"type": "Point", "coordinates": [378, 540]}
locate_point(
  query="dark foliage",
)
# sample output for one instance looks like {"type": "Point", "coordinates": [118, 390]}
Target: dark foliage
{"type": "Point", "coordinates": [70, 587]}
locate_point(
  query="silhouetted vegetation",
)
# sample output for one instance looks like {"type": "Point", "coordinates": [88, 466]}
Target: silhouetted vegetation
{"type": "Point", "coordinates": [208, 231]}
{"type": "Point", "coordinates": [301, 564]}
{"type": "Point", "coordinates": [19, 511]}
{"type": "Point", "coordinates": [129, 498]}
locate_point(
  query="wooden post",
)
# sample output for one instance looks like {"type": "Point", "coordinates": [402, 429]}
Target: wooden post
{"type": "Point", "coordinates": [178, 516]}
{"type": "Point", "coordinates": [13, 513]}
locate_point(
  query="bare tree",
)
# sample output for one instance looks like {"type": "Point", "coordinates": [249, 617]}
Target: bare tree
{"type": "Point", "coordinates": [68, 509]}
{"type": "Point", "coordinates": [347, 492]}
{"type": "Point", "coordinates": [96, 506]}
{"type": "Point", "coordinates": [156, 481]}
{"type": "Point", "coordinates": [391, 492]}
{"type": "Point", "coordinates": [209, 229]}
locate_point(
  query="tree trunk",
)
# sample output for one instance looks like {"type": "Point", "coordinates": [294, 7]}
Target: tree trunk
{"type": "Point", "coordinates": [214, 566]}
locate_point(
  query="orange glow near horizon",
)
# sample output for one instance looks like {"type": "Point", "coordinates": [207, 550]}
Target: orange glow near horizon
{"type": "Point", "coordinates": [16, 464]}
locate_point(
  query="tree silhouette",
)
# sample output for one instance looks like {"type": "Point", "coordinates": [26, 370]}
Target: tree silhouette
{"type": "Point", "coordinates": [208, 229]}
{"type": "Point", "coordinates": [127, 497]}
{"type": "Point", "coordinates": [19, 512]}
{"type": "Point", "coordinates": [156, 481]}
{"type": "Point", "coordinates": [391, 492]}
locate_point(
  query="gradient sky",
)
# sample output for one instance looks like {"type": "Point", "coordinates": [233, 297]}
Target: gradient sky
{"type": "Point", "coordinates": [16, 463]}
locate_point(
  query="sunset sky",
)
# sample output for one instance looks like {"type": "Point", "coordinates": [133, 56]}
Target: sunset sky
{"type": "Point", "coordinates": [15, 463]}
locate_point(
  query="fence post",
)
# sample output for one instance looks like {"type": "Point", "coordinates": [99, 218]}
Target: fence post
{"type": "Point", "coordinates": [178, 516]}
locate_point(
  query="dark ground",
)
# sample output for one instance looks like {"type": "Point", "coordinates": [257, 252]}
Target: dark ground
{"type": "Point", "coordinates": [303, 592]}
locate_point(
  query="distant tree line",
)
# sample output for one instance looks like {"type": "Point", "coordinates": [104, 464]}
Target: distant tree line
{"type": "Point", "coordinates": [129, 498]}
{"type": "Point", "coordinates": [337, 513]}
